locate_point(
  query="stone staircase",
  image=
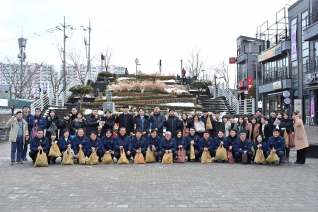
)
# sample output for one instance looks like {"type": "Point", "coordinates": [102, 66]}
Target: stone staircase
{"type": "Point", "coordinates": [219, 104]}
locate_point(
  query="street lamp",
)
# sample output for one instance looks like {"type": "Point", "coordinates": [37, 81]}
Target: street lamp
{"type": "Point", "coordinates": [137, 64]}
{"type": "Point", "coordinates": [22, 45]}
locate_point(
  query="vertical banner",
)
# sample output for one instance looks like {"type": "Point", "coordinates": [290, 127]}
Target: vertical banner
{"type": "Point", "coordinates": [312, 107]}
{"type": "Point", "coordinates": [294, 42]}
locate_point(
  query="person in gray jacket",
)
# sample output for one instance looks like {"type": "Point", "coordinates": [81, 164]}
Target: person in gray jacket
{"type": "Point", "coordinates": [157, 121]}
{"type": "Point", "coordinates": [18, 134]}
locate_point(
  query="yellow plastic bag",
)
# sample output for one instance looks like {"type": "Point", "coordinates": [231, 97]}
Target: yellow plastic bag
{"type": "Point", "coordinates": [150, 157]}
{"type": "Point", "coordinates": [41, 159]}
{"type": "Point", "coordinates": [55, 151]}
{"type": "Point", "coordinates": [92, 160]}
{"type": "Point", "coordinates": [259, 157]}
{"type": "Point", "coordinates": [206, 157]}
{"type": "Point", "coordinates": [139, 158]}
{"type": "Point", "coordinates": [221, 153]}
{"type": "Point", "coordinates": [286, 137]}
{"type": "Point", "coordinates": [167, 158]}
{"type": "Point", "coordinates": [107, 159]}
{"type": "Point", "coordinates": [81, 157]}
{"type": "Point", "coordinates": [192, 155]}
{"type": "Point", "coordinates": [208, 125]}
{"type": "Point", "coordinates": [123, 159]}
{"type": "Point", "coordinates": [67, 158]}
{"type": "Point", "coordinates": [272, 158]}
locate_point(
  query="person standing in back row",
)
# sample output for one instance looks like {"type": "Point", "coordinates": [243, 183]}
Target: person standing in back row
{"type": "Point", "coordinates": [92, 122]}
{"type": "Point", "coordinates": [26, 116]}
{"type": "Point", "coordinates": [126, 121]}
{"type": "Point", "coordinates": [172, 123]}
{"type": "Point", "coordinates": [157, 121]}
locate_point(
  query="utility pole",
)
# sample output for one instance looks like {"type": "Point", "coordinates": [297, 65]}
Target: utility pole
{"type": "Point", "coordinates": [89, 51]}
{"type": "Point", "coordinates": [64, 64]}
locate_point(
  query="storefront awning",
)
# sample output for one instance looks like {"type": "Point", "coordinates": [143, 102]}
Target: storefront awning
{"type": "Point", "coordinates": [310, 88]}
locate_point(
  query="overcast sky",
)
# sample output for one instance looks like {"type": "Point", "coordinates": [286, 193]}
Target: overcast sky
{"type": "Point", "coordinates": [147, 29]}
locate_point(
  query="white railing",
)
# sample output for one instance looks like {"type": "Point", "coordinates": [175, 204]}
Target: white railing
{"type": "Point", "coordinates": [41, 103]}
{"type": "Point", "coordinates": [246, 106]}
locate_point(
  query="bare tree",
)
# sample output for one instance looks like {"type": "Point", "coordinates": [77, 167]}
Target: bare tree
{"type": "Point", "coordinates": [196, 63]}
{"type": "Point", "coordinates": [22, 78]}
{"type": "Point", "coordinates": [222, 72]}
{"type": "Point", "coordinates": [78, 62]}
{"type": "Point", "coordinates": [56, 81]}
{"type": "Point", "coordinates": [108, 55]}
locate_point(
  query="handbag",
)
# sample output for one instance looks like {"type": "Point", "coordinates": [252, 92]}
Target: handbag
{"type": "Point", "coordinates": [244, 158]}
{"type": "Point", "coordinates": [221, 153]}
{"type": "Point", "coordinates": [199, 127]}
{"type": "Point", "coordinates": [167, 158]}
{"type": "Point", "coordinates": [52, 128]}
{"type": "Point", "coordinates": [206, 157]}
{"type": "Point", "coordinates": [81, 157]}
{"type": "Point", "coordinates": [291, 140]}
{"type": "Point", "coordinates": [259, 157]}
{"type": "Point", "coordinates": [54, 151]}
{"type": "Point", "coordinates": [107, 159]}
{"type": "Point", "coordinates": [286, 137]}
{"type": "Point", "coordinates": [209, 124]}
{"type": "Point", "coordinates": [123, 159]}
{"type": "Point", "coordinates": [181, 158]}
{"type": "Point", "coordinates": [34, 130]}
{"type": "Point", "coordinates": [139, 158]}
{"type": "Point", "coordinates": [192, 154]}
{"type": "Point", "coordinates": [67, 158]}
{"type": "Point", "coordinates": [41, 159]}
{"type": "Point", "coordinates": [230, 157]}
{"type": "Point", "coordinates": [92, 160]}
{"type": "Point", "coordinates": [150, 157]}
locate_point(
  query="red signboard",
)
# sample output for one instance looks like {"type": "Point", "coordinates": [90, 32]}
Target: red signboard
{"type": "Point", "coordinates": [250, 80]}
{"type": "Point", "coordinates": [241, 84]}
{"type": "Point", "coordinates": [232, 60]}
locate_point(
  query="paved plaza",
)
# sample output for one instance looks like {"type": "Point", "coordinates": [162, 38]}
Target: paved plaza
{"type": "Point", "coordinates": [158, 187]}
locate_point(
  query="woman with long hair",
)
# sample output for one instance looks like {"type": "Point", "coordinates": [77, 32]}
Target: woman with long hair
{"type": "Point", "coordinates": [240, 126]}
{"type": "Point", "coordinates": [286, 124]}
{"type": "Point", "coordinates": [253, 129]}
{"type": "Point", "coordinates": [52, 123]}
{"type": "Point", "coordinates": [301, 141]}
{"type": "Point", "coordinates": [187, 123]}
{"type": "Point", "coordinates": [198, 126]}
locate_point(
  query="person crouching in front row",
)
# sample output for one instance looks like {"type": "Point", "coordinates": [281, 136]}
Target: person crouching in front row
{"type": "Point", "coordinates": [53, 139]}
{"type": "Point", "coordinates": [65, 142]}
{"type": "Point", "coordinates": [122, 141]}
{"type": "Point", "coordinates": [181, 142]}
{"type": "Point", "coordinates": [193, 139]}
{"type": "Point", "coordinates": [260, 143]}
{"type": "Point", "coordinates": [153, 142]}
{"type": "Point", "coordinates": [207, 144]}
{"type": "Point", "coordinates": [39, 142]}
{"type": "Point", "coordinates": [80, 141]}
{"type": "Point", "coordinates": [220, 139]}
{"type": "Point", "coordinates": [93, 145]}
{"type": "Point", "coordinates": [276, 144]}
{"type": "Point", "coordinates": [138, 144]}
{"type": "Point", "coordinates": [243, 147]}
{"type": "Point", "coordinates": [167, 145]}
{"type": "Point", "coordinates": [107, 144]}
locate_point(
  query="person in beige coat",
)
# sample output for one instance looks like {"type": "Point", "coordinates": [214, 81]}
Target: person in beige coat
{"type": "Point", "coordinates": [18, 134]}
{"type": "Point", "coordinates": [301, 141]}
{"type": "Point", "coordinates": [253, 129]}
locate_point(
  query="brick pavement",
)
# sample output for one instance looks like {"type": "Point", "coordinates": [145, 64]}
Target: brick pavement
{"type": "Point", "coordinates": [157, 187]}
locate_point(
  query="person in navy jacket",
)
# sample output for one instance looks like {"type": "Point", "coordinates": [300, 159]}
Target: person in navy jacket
{"type": "Point", "coordinates": [232, 140]}
{"type": "Point", "coordinates": [138, 144]}
{"type": "Point", "coordinates": [167, 145]}
{"type": "Point", "coordinates": [194, 139]}
{"type": "Point", "coordinates": [122, 141]}
{"type": "Point", "coordinates": [80, 140]}
{"type": "Point", "coordinates": [107, 143]}
{"type": "Point", "coordinates": [220, 139]}
{"type": "Point", "coordinates": [37, 119]}
{"type": "Point", "coordinates": [181, 142]}
{"type": "Point", "coordinates": [260, 143]}
{"type": "Point", "coordinates": [52, 139]}
{"type": "Point", "coordinates": [243, 147]}
{"type": "Point", "coordinates": [153, 142]}
{"type": "Point", "coordinates": [206, 143]}
{"type": "Point", "coordinates": [65, 142]}
{"type": "Point", "coordinates": [278, 143]}
{"type": "Point", "coordinates": [94, 145]}
{"type": "Point", "coordinates": [39, 143]}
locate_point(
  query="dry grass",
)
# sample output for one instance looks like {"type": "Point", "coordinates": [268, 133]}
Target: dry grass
{"type": "Point", "coordinates": [145, 86]}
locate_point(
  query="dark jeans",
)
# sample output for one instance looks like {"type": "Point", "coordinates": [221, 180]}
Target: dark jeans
{"type": "Point", "coordinates": [16, 147]}
{"type": "Point", "coordinates": [287, 151]}
{"type": "Point", "coordinates": [301, 156]}
{"type": "Point", "coordinates": [238, 156]}
{"type": "Point", "coordinates": [280, 154]}
{"type": "Point", "coordinates": [24, 149]}
{"type": "Point", "coordinates": [117, 154]}
{"type": "Point", "coordinates": [33, 154]}
{"type": "Point", "coordinates": [196, 153]}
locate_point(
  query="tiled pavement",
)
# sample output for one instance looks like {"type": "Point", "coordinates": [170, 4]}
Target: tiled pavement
{"type": "Point", "coordinates": [157, 187]}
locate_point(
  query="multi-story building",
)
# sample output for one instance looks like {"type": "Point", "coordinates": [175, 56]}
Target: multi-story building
{"type": "Point", "coordinates": [247, 51]}
{"type": "Point", "coordinates": [309, 55]}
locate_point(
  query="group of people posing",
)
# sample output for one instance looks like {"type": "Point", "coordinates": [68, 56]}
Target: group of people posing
{"type": "Point", "coordinates": [137, 133]}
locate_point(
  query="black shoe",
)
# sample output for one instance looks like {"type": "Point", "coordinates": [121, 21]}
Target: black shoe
{"type": "Point", "coordinates": [100, 160]}
{"type": "Point", "coordinates": [49, 161]}
{"type": "Point", "coordinates": [54, 161]}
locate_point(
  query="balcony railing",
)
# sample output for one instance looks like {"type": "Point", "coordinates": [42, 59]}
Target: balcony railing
{"type": "Point", "coordinates": [313, 64]}
{"type": "Point", "coordinates": [275, 76]}
{"type": "Point", "coordinates": [313, 17]}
